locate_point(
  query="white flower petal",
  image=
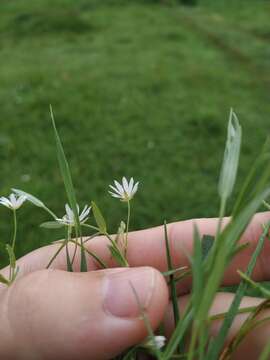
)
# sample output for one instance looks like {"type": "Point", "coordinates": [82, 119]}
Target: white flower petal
{"type": "Point", "coordinates": [85, 213]}
{"type": "Point", "coordinates": [130, 187]}
{"type": "Point", "coordinates": [119, 187]}
{"type": "Point", "coordinates": [125, 185]}
{"type": "Point", "coordinates": [135, 188]}
{"type": "Point", "coordinates": [13, 199]}
{"type": "Point", "coordinates": [160, 341]}
{"type": "Point", "coordinates": [69, 212]}
{"type": "Point", "coordinates": [4, 201]}
{"type": "Point", "coordinates": [115, 195]}
{"type": "Point", "coordinates": [115, 190]}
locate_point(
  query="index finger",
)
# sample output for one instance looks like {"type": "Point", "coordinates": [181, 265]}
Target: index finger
{"type": "Point", "coordinates": [147, 248]}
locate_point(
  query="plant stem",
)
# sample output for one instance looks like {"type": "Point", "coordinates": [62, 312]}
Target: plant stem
{"type": "Point", "coordinates": [55, 255]}
{"type": "Point", "coordinates": [176, 312]}
{"type": "Point", "coordinates": [15, 230]}
{"type": "Point", "coordinates": [11, 268]}
{"type": "Point", "coordinates": [171, 277]}
{"type": "Point", "coordinates": [76, 244]}
{"type": "Point", "coordinates": [91, 253]}
{"type": "Point", "coordinates": [127, 229]}
{"type": "Point", "coordinates": [90, 226]}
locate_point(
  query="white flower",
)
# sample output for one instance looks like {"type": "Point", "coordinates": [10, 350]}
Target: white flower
{"type": "Point", "coordinates": [124, 191]}
{"type": "Point", "coordinates": [12, 202]}
{"type": "Point", "coordinates": [160, 341]}
{"type": "Point", "coordinates": [69, 217]}
{"type": "Point", "coordinates": [156, 343]}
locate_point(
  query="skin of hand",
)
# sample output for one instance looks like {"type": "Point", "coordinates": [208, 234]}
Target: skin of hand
{"type": "Point", "coordinates": [54, 314]}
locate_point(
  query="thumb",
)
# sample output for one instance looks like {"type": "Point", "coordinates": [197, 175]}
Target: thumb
{"type": "Point", "coordinates": [51, 314]}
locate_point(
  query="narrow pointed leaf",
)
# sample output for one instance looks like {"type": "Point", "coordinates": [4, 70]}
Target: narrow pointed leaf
{"type": "Point", "coordinates": [51, 225]}
{"type": "Point", "coordinates": [101, 223]}
{"type": "Point", "coordinates": [176, 312]}
{"type": "Point", "coordinates": [231, 157]}
{"type": "Point", "coordinates": [65, 171]}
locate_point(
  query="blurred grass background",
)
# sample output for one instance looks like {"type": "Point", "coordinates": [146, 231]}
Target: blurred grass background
{"type": "Point", "coordinates": [139, 88]}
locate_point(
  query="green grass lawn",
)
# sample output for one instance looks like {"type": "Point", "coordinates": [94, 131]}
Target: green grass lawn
{"type": "Point", "coordinates": [138, 89]}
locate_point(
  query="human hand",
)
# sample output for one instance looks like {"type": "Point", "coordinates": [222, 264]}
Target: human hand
{"type": "Point", "coordinates": [51, 314]}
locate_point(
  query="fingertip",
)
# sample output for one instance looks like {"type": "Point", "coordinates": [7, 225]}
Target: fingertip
{"type": "Point", "coordinates": [159, 300]}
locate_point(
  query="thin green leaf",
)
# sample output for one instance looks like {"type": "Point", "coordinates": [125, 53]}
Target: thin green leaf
{"type": "Point", "coordinates": [220, 339]}
{"type": "Point", "coordinates": [51, 225]}
{"type": "Point", "coordinates": [174, 296]}
{"type": "Point", "coordinates": [264, 291]}
{"type": "Point", "coordinates": [198, 282]}
{"type": "Point", "coordinates": [31, 198]}
{"type": "Point", "coordinates": [34, 200]}
{"type": "Point", "coordinates": [117, 256]}
{"type": "Point", "coordinates": [65, 171]}
{"type": "Point", "coordinates": [101, 223]}
{"type": "Point", "coordinates": [250, 324]}
{"type": "Point", "coordinates": [231, 157]}
{"type": "Point", "coordinates": [183, 275]}
{"type": "Point", "coordinates": [178, 335]}
{"type": "Point", "coordinates": [174, 271]}
{"type": "Point", "coordinates": [56, 254]}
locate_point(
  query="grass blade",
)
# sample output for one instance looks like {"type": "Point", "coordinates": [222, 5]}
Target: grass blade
{"type": "Point", "coordinates": [178, 335]}
{"type": "Point", "coordinates": [65, 171]}
{"type": "Point", "coordinates": [176, 312]}
{"type": "Point", "coordinates": [233, 310]}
